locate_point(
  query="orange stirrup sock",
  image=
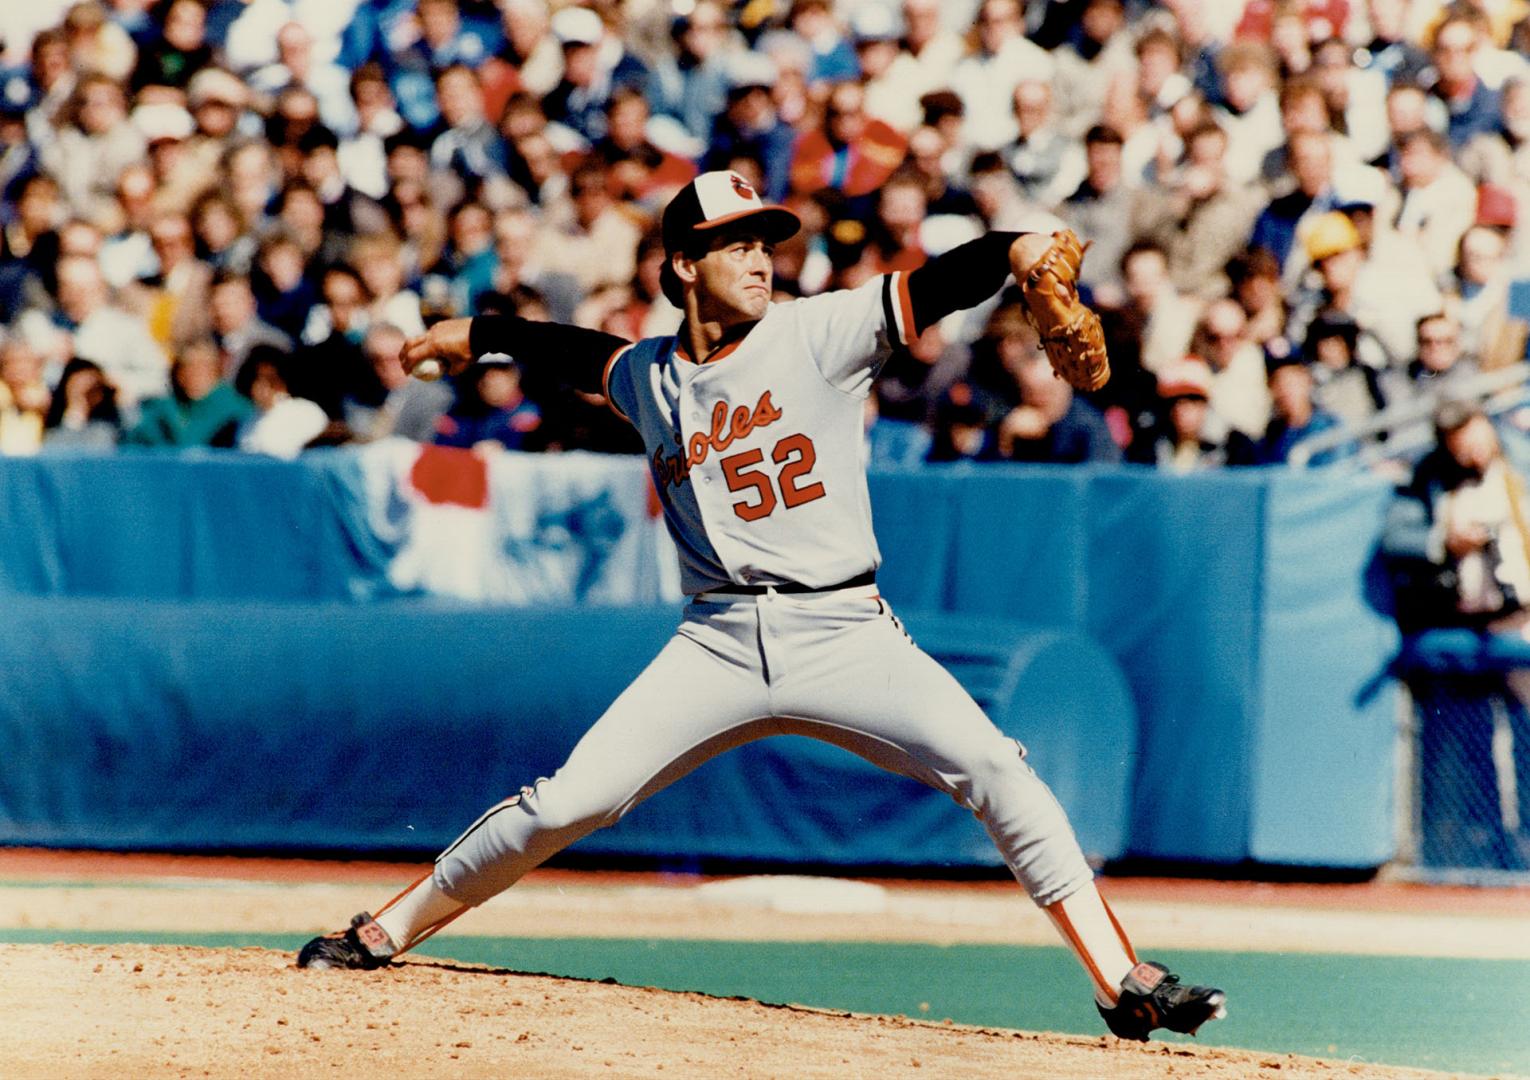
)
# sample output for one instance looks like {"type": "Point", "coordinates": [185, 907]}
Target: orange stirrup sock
{"type": "Point", "coordinates": [415, 912]}
{"type": "Point", "coordinates": [1091, 931]}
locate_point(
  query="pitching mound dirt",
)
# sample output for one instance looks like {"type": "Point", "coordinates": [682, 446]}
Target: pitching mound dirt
{"type": "Point", "coordinates": [77, 1010]}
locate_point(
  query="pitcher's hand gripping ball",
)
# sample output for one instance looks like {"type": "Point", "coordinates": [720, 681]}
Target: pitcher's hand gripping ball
{"type": "Point", "coordinates": [445, 349]}
{"type": "Point", "coordinates": [1070, 332]}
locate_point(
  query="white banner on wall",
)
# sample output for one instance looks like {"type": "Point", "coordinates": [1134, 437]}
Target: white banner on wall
{"type": "Point", "coordinates": [516, 528]}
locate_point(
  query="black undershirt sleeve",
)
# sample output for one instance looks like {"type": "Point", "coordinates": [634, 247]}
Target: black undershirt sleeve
{"type": "Point", "coordinates": [556, 355]}
{"type": "Point", "coordinates": [961, 278]}
{"type": "Point", "coordinates": [550, 355]}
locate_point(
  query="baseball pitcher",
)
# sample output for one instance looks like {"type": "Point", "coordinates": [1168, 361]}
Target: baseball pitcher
{"type": "Point", "coordinates": [752, 420]}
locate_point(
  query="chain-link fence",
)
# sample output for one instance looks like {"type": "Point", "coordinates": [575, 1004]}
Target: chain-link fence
{"type": "Point", "coordinates": [1470, 766]}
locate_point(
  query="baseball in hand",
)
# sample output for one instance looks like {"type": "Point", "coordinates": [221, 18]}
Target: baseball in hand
{"type": "Point", "coordinates": [428, 370]}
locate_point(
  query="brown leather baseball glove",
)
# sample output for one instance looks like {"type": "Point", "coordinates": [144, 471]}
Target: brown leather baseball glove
{"type": "Point", "coordinates": [1069, 331]}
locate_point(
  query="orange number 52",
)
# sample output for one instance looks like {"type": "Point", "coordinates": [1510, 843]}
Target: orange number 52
{"type": "Point", "coordinates": [795, 455]}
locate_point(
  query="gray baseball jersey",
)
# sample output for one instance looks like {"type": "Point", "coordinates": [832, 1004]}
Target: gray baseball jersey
{"type": "Point", "coordinates": [756, 449]}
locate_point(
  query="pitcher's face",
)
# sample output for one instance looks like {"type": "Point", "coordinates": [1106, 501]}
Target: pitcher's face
{"type": "Point", "coordinates": [733, 279]}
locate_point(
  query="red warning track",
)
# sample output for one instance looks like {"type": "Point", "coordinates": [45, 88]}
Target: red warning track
{"type": "Point", "coordinates": [40, 864]}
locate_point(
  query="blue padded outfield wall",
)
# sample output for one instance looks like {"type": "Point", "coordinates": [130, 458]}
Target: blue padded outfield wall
{"type": "Point", "coordinates": [1241, 608]}
{"type": "Point", "coordinates": [220, 651]}
{"type": "Point", "coordinates": [371, 726]}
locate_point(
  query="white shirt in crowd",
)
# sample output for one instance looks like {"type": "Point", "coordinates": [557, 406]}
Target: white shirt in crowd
{"type": "Point", "coordinates": [1482, 574]}
{"type": "Point", "coordinates": [112, 338]}
{"type": "Point", "coordinates": [284, 429]}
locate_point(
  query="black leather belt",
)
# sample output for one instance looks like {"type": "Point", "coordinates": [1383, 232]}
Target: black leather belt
{"type": "Point", "coordinates": [868, 578]}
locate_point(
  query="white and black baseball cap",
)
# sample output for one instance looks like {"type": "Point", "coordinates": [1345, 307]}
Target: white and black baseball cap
{"type": "Point", "coordinates": [720, 198]}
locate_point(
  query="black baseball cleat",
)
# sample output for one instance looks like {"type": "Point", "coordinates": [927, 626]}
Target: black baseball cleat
{"type": "Point", "coordinates": [1152, 997]}
{"type": "Point", "coordinates": [363, 946]}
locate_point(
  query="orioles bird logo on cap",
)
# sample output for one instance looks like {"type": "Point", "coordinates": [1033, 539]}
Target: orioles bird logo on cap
{"type": "Point", "coordinates": [741, 187]}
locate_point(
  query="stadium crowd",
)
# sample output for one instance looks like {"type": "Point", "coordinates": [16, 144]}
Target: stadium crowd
{"type": "Point", "coordinates": [219, 219]}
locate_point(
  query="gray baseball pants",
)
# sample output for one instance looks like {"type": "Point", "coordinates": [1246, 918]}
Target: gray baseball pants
{"type": "Point", "coordinates": [835, 666]}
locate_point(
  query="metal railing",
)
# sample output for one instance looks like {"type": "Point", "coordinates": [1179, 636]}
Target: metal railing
{"type": "Point", "coordinates": [1384, 435]}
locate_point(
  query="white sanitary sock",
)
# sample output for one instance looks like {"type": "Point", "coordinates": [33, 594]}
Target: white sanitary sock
{"type": "Point", "coordinates": [415, 912]}
{"type": "Point", "coordinates": [1098, 941]}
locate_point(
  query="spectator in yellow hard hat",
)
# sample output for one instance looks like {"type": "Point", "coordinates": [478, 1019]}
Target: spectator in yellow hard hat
{"type": "Point", "coordinates": [1333, 245]}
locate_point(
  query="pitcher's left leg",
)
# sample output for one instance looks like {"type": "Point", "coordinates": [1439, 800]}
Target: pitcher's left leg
{"type": "Point", "coordinates": [877, 693]}
{"type": "Point", "coordinates": [867, 687]}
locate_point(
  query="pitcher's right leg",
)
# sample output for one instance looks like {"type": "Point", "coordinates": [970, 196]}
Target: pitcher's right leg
{"type": "Point", "coordinates": [703, 694]}
{"type": "Point", "coordinates": [677, 714]}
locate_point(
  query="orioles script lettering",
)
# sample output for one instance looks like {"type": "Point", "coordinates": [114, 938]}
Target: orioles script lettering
{"type": "Point", "coordinates": [729, 424]}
